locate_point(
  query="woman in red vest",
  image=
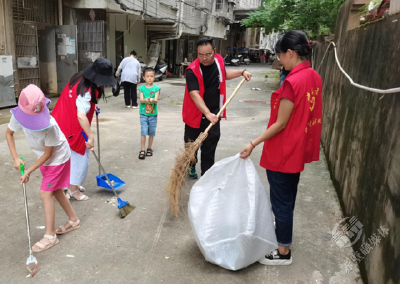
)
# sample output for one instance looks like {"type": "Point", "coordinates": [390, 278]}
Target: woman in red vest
{"type": "Point", "coordinates": [74, 112]}
{"type": "Point", "coordinates": [292, 137]}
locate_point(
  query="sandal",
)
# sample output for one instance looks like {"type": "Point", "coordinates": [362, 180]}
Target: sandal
{"type": "Point", "coordinates": [81, 188]}
{"type": "Point", "coordinates": [149, 152]}
{"type": "Point", "coordinates": [73, 226]}
{"type": "Point", "coordinates": [47, 242]}
{"type": "Point", "coordinates": [69, 194]}
{"type": "Point", "coordinates": [142, 155]}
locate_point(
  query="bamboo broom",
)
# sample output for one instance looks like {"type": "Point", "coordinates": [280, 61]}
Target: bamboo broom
{"type": "Point", "coordinates": [187, 156]}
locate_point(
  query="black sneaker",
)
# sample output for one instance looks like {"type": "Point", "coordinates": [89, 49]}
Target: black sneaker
{"type": "Point", "coordinates": [275, 258]}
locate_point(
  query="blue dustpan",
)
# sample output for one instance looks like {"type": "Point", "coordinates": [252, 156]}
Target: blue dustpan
{"type": "Point", "coordinates": [103, 182]}
{"type": "Point", "coordinates": [101, 178]}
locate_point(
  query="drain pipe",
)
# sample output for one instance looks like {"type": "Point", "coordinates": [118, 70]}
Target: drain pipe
{"type": "Point", "coordinates": [60, 13]}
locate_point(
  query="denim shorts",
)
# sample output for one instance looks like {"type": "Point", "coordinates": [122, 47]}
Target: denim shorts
{"type": "Point", "coordinates": [148, 125]}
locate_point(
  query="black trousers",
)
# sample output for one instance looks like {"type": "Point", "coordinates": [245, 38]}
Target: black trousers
{"type": "Point", "coordinates": [130, 93]}
{"type": "Point", "coordinates": [209, 145]}
{"type": "Point", "coordinates": [283, 191]}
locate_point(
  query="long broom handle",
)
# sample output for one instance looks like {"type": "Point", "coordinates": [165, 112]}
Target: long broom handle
{"type": "Point", "coordinates": [105, 174]}
{"type": "Point", "coordinates": [226, 103]}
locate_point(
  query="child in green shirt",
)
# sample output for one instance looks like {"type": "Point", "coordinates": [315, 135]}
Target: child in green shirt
{"type": "Point", "coordinates": [148, 111]}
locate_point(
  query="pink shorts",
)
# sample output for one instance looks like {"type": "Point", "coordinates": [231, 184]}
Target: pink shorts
{"type": "Point", "coordinates": [55, 177]}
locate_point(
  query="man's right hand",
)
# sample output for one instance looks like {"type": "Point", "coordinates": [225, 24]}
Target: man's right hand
{"type": "Point", "coordinates": [212, 118]}
{"type": "Point", "coordinates": [116, 74]}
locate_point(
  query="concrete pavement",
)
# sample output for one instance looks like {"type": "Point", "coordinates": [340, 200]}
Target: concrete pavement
{"type": "Point", "coordinates": [150, 245]}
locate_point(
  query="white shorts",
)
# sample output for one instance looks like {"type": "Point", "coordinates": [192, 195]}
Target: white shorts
{"type": "Point", "coordinates": [79, 167]}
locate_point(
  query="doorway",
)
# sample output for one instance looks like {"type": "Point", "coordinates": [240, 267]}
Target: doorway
{"type": "Point", "coordinates": [119, 47]}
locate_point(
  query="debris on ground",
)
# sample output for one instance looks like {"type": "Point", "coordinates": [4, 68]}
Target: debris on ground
{"type": "Point", "coordinates": [256, 89]}
{"type": "Point", "coordinates": [113, 201]}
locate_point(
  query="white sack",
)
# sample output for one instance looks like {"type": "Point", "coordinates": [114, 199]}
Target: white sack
{"type": "Point", "coordinates": [230, 214]}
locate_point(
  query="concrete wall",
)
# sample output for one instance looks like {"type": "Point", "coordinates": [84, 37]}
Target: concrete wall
{"type": "Point", "coordinates": [361, 136]}
{"type": "Point", "coordinates": [248, 5]}
{"type": "Point", "coordinates": [134, 38]}
{"type": "Point", "coordinates": [212, 27]}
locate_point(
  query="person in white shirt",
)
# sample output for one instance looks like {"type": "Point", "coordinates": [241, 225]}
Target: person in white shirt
{"type": "Point", "coordinates": [130, 77]}
{"type": "Point", "coordinates": [48, 142]}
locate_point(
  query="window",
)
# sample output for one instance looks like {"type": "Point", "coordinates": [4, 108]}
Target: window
{"type": "Point", "coordinates": [219, 5]}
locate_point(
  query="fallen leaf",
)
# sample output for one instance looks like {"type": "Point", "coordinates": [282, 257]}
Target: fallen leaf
{"type": "Point", "coordinates": [167, 257]}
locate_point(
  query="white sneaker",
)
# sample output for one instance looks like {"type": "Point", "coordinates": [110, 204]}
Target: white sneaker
{"type": "Point", "coordinates": [127, 106]}
{"type": "Point", "coordinates": [134, 106]}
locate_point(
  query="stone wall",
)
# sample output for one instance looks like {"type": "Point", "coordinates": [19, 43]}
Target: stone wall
{"type": "Point", "coordinates": [361, 135]}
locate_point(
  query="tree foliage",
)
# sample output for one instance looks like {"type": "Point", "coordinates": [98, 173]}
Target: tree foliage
{"type": "Point", "coordinates": [315, 17]}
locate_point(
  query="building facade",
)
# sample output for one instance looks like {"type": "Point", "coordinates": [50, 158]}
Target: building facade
{"type": "Point", "coordinates": [47, 41]}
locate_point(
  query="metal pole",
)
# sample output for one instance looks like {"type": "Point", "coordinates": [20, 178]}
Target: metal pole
{"type": "Point", "coordinates": [60, 13]}
{"type": "Point", "coordinates": [98, 139]}
{"type": "Point", "coordinates": [27, 219]}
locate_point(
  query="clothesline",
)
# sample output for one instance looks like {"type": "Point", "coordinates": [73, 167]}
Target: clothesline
{"type": "Point", "coordinates": [388, 91]}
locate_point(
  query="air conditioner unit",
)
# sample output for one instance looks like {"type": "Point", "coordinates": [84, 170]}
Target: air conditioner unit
{"type": "Point", "coordinates": [232, 1]}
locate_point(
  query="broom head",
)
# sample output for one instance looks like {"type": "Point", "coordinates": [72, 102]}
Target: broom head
{"type": "Point", "coordinates": [179, 172]}
{"type": "Point", "coordinates": [124, 208]}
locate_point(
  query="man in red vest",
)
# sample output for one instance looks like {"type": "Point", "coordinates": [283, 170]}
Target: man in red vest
{"type": "Point", "coordinates": [205, 93]}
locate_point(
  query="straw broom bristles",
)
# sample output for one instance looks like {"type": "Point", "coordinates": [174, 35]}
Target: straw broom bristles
{"type": "Point", "coordinates": [183, 160]}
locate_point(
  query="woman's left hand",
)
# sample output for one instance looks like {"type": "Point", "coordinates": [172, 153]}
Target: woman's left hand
{"type": "Point", "coordinates": [97, 107]}
{"type": "Point", "coordinates": [90, 144]}
{"type": "Point", "coordinates": [246, 152]}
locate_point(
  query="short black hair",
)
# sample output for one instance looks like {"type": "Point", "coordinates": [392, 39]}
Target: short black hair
{"type": "Point", "coordinates": [206, 41]}
{"type": "Point", "coordinates": [148, 69]}
{"type": "Point", "coordinates": [133, 53]}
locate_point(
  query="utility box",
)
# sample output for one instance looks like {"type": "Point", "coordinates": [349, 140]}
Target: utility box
{"type": "Point", "coordinates": [7, 94]}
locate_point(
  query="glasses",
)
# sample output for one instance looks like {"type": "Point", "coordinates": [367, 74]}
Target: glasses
{"type": "Point", "coordinates": [208, 55]}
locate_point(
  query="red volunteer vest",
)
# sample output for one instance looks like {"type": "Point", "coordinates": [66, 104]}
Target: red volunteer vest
{"type": "Point", "coordinates": [190, 113]}
{"type": "Point", "coordinates": [66, 115]}
{"type": "Point", "coordinates": [299, 142]}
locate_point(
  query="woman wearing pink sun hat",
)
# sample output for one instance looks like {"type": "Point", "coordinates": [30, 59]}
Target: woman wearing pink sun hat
{"type": "Point", "coordinates": [48, 142]}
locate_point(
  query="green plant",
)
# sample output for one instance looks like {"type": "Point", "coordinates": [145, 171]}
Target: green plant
{"type": "Point", "coordinates": [314, 17]}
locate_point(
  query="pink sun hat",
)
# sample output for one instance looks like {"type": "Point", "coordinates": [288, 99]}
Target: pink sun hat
{"type": "Point", "coordinates": [32, 111]}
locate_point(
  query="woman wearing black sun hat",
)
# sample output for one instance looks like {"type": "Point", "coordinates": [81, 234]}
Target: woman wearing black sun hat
{"type": "Point", "coordinates": [74, 112]}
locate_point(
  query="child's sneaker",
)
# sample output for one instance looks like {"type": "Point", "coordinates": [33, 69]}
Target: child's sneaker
{"type": "Point", "coordinates": [275, 258]}
{"type": "Point", "coordinates": [192, 172]}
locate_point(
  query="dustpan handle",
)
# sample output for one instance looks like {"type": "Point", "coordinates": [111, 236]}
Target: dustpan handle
{"type": "Point", "coordinates": [226, 103]}
{"type": "Point", "coordinates": [98, 135]}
